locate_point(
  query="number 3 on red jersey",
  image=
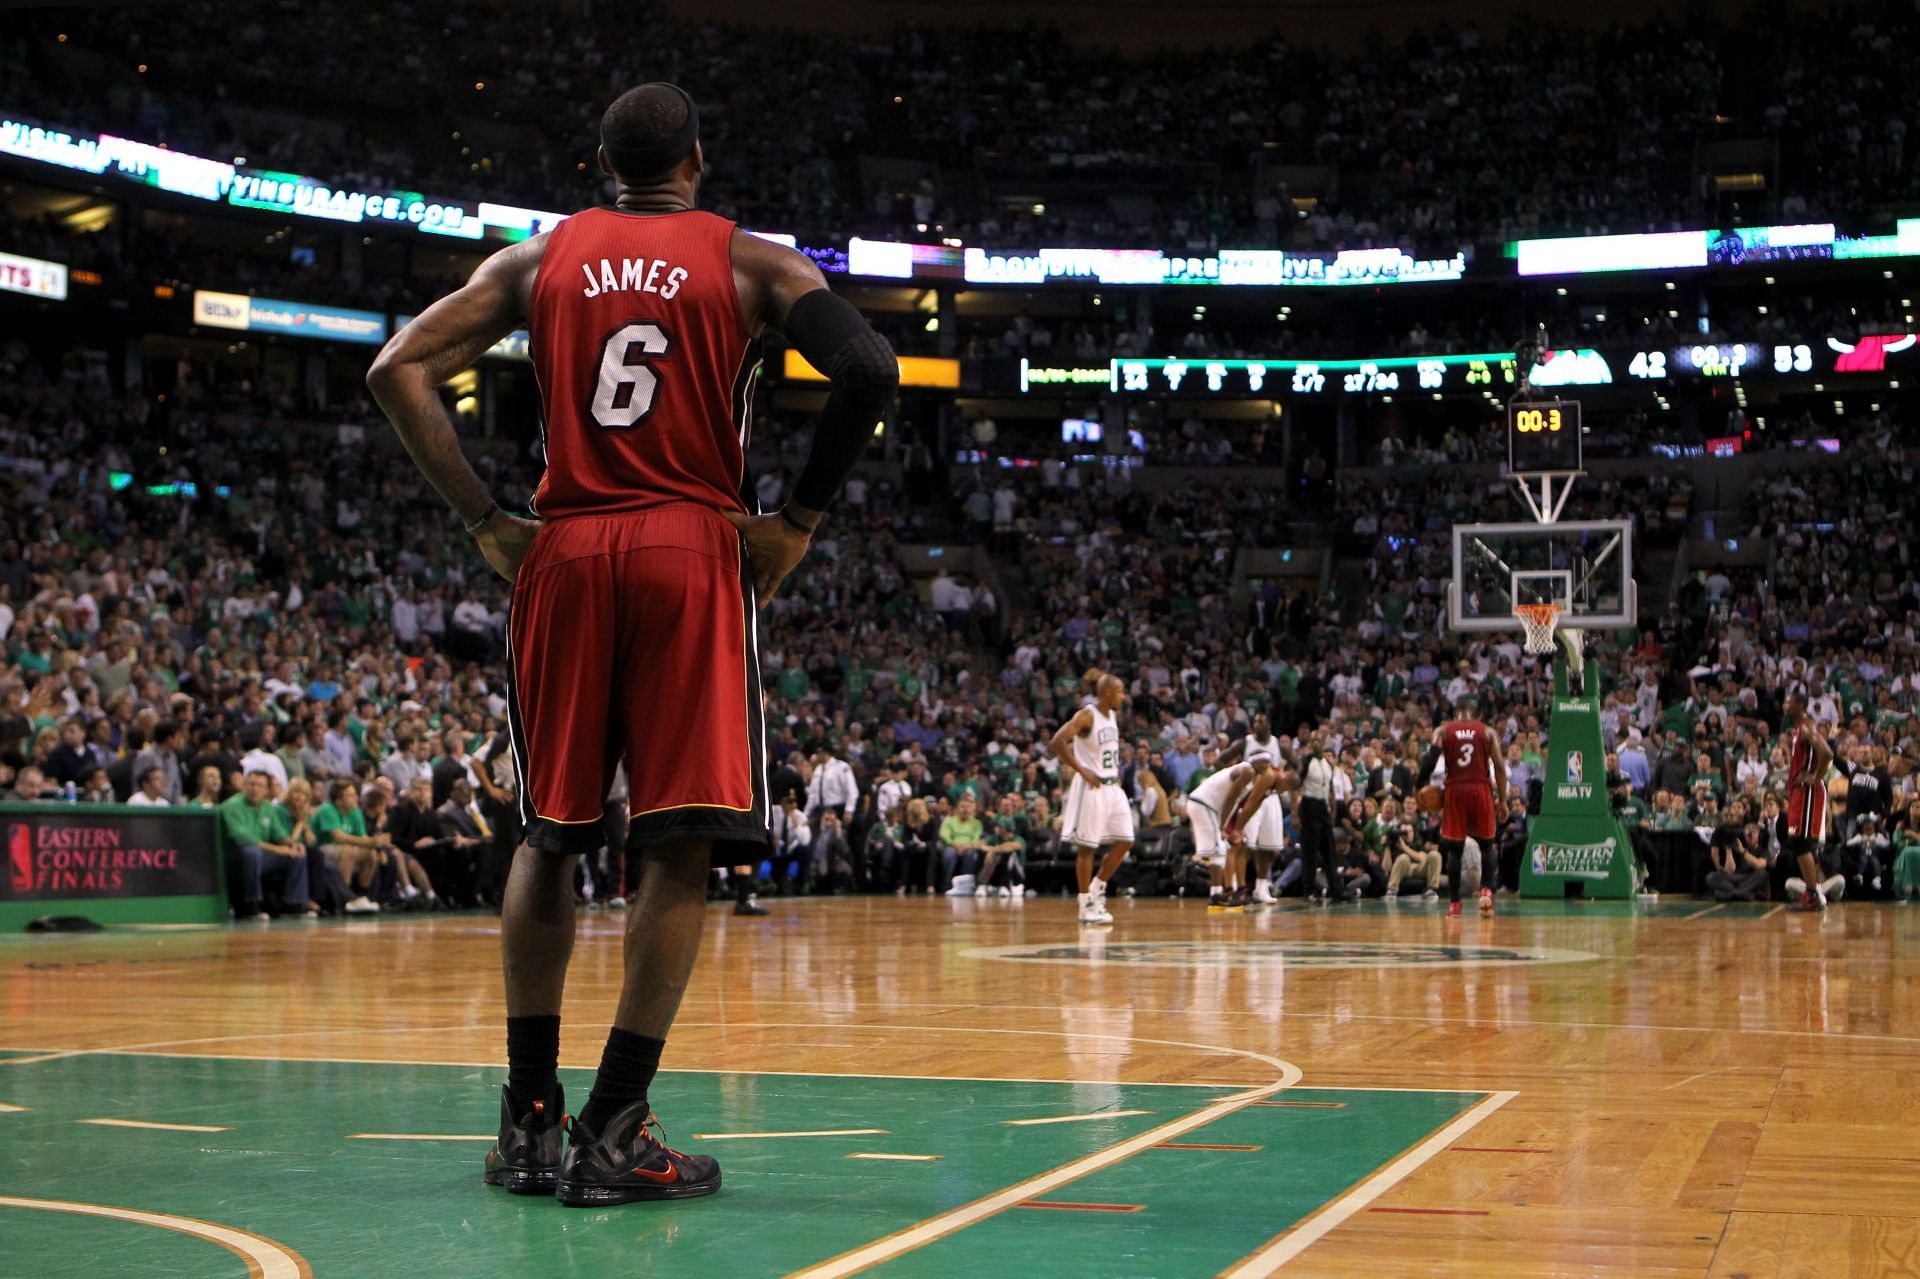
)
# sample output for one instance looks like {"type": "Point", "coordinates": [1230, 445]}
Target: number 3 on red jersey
{"type": "Point", "coordinates": [628, 383]}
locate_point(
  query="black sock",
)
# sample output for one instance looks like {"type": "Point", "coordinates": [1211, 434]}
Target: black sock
{"type": "Point", "coordinates": [742, 886]}
{"type": "Point", "coordinates": [533, 1059]}
{"type": "Point", "coordinates": [626, 1070]}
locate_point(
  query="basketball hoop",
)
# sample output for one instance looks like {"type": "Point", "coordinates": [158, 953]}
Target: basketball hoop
{"type": "Point", "coordinates": [1540, 621]}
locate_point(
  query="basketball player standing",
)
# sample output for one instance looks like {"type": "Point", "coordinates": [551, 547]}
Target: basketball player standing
{"type": "Point", "coordinates": [1096, 813]}
{"type": "Point", "coordinates": [632, 631]}
{"type": "Point", "coordinates": [1476, 772]}
{"type": "Point", "coordinates": [1807, 761]}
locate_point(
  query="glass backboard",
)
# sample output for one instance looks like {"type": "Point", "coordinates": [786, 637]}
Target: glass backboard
{"type": "Point", "coordinates": [1585, 567]}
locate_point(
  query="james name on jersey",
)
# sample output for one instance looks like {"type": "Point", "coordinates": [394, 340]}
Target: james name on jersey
{"type": "Point", "coordinates": [633, 275]}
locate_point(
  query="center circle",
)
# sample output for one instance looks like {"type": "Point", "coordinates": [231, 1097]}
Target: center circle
{"type": "Point", "coordinates": [1297, 954]}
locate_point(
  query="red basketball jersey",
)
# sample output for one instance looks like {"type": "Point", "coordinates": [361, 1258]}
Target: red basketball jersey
{"type": "Point", "coordinates": [1467, 746]}
{"type": "Point", "coordinates": [645, 365]}
{"type": "Point", "coordinates": [1800, 762]}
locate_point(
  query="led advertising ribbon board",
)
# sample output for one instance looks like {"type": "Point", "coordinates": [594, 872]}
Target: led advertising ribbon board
{"type": "Point", "coordinates": [1229, 378]}
{"type": "Point", "coordinates": [297, 319]}
{"type": "Point", "coordinates": [33, 276]}
{"type": "Point", "coordinates": [1682, 250]}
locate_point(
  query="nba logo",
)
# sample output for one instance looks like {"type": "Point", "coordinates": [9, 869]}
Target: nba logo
{"type": "Point", "coordinates": [20, 857]}
{"type": "Point", "coordinates": [1576, 766]}
{"type": "Point", "coordinates": [1539, 859]}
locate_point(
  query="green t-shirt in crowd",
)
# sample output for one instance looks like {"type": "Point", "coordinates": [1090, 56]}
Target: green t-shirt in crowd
{"type": "Point", "coordinates": [247, 825]}
{"type": "Point", "coordinates": [329, 819]}
{"type": "Point", "coordinates": [959, 833]}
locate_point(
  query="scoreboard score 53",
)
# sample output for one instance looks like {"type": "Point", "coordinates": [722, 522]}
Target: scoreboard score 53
{"type": "Point", "coordinates": [1543, 435]}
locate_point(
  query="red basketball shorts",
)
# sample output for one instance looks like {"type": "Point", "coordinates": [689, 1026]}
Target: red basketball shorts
{"type": "Point", "coordinates": [1807, 812]}
{"type": "Point", "coordinates": [1468, 813]}
{"type": "Point", "coordinates": [632, 637]}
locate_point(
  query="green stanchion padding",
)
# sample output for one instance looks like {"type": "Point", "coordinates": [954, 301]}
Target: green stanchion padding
{"type": "Point", "coordinates": [1576, 839]}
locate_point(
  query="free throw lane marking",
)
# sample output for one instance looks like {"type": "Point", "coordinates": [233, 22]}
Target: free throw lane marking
{"type": "Point", "coordinates": [908, 1159]}
{"type": "Point", "coordinates": [420, 1136]}
{"type": "Point", "coordinates": [916, 1236]}
{"type": "Point", "coordinates": [1200, 1145]}
{"type": "Point", "coordinates": [818, 1132]}
{"type": "Point", "coordinates": [141, 1123]}
{"type": "Point", "coordinates": [1074, 1119]}
{"type": "Point", "coordinates": [1287, 1246]}
{"type": "Point", "coordinates": [264, 1258]}
{"type": "Point", "coordinates": [1070, 1207]}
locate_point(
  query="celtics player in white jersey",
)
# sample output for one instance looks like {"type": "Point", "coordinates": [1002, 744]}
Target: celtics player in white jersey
{"type": "Point", "coordinates": [1097, 814]}
{"type": "Point", "coordinates": [1266, 825]}
{"type": "Point", "coordinates": [1219, 808]}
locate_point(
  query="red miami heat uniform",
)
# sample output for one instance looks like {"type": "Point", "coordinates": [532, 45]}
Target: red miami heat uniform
{"type": "Point", "coordinates": [632, 631]}
{"type": "Point", "coordinates": [1806, 795]}
{"type": "Point", "coordinates": [1467, 746]}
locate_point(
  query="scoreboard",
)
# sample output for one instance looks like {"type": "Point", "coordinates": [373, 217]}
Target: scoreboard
{"type": "Point", "coordinates": [1329, 378]}
{"type": "Point", "coordinates": [1543, 435]}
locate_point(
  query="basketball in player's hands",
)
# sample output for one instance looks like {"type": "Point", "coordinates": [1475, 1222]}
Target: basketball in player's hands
{"type": "Point", "coordinates": [1431, 799]}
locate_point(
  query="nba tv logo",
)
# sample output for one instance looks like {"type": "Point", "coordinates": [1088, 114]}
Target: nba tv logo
{"type": "Point", "coordinates": [20, 857]}
{"type": "Point", "coordinates": [1576, 767]}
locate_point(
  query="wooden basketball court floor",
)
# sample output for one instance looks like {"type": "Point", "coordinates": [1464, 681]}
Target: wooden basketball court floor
{"type": "Point", "coordinates": [933, 1087]}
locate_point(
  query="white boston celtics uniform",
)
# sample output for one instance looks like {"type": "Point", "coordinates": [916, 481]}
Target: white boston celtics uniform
{"type": "Point", "coordinates": [1212, 800]}
{"type": "Point", "coordinates": [1097, 815]}
{"type": "Point", "coordinates": [1266, 829]}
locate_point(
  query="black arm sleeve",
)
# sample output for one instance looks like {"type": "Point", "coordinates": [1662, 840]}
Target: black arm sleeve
{"type": "Point", "coordinates": [860, 366]}
{"type": "Point", "coordinates": [1427, 764]}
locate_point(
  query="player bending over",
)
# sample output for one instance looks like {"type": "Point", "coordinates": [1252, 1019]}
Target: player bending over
{"type": "Point", "coordinates": [1218, 807]}
{"type": "Point", "coordinates": [1266, 828]}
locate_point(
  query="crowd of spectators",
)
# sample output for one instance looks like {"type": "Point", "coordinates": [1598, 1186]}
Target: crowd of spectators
{"type": "Point", "coordinates": [275, 622]}
{"type": "Point", "coordinates": [1447, 136]}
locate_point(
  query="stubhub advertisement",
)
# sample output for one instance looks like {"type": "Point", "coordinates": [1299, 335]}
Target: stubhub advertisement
{"type": "Point", "coordinates": [299, 319]}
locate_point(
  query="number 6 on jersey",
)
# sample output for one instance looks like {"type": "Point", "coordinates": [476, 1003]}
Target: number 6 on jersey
{"type": "Point", "coordinates": [627, 382]}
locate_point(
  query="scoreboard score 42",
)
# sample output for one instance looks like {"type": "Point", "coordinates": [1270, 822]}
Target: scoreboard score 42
{"type": "Point", "coordinates": [1543, 435]}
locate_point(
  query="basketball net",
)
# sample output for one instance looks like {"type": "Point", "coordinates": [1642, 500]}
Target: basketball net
{"type": "Point", "coordinates": [1542, 623]}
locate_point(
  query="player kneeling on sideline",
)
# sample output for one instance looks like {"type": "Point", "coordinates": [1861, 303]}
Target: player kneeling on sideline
{"type": "Point", "coordinates": [1218, 808]}
{"type": "Point", "coordinates": [1097, 813]}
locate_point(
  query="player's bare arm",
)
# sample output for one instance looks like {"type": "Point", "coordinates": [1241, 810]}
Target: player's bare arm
{"type": "Point", "coordinates": [1079, 725]}
{"type": "Point", "coordinates": [1251, 801]}
{"type": "Point", "coordinates": [783, 290]}
{"type": "Point", "coordinates": [1822, 752]}
{"type": "Point", "coordinates": [446, 339]}
{"type": "Point", "coordinates": [1429, 761]}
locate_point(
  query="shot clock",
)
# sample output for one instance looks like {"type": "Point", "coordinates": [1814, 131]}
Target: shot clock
{"type": "Point", "coordinates": [1543, 435]}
